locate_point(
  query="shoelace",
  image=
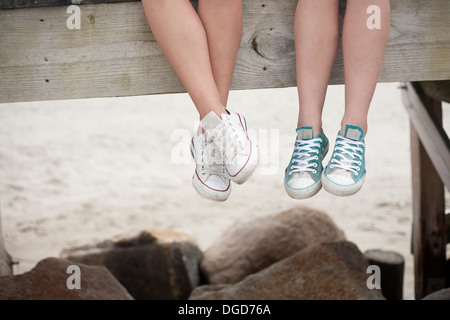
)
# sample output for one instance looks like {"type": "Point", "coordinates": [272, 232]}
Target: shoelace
{"type": "Point", "coordinates": [228, 139]}
{"type": "Point", "coordinates": [349, 153]}
{"type": "Point", "coordinates": [211, 160]}
{"type": "Point", "coordinates": [303, 155]}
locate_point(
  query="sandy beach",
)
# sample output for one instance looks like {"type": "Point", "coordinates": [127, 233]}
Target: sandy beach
{"type": "Point", "coordinates": [77, 171]}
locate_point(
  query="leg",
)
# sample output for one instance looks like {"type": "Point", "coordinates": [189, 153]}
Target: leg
{"type": "Point", "coordinates": [363, 51]}
{"type": "Point", "coordinates": [316, 35]}
{"type": "Point", "coordinates": [222, 21]}
{"type": "Point", "coordinates": [181, 36]}
{"type": "Point", "coordinates": [316, 32]}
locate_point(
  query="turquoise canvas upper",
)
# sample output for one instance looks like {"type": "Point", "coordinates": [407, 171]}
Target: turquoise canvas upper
{"type": "Point", "coordinates": [308, 154]}
{"type": "Point", "coordinates": [349, 153]}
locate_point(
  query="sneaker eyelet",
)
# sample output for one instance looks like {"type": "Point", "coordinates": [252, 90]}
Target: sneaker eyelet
{"type": "Point", "coordinates": [314, 171]}
{"type": "Point", "coordinates": [315, 165]}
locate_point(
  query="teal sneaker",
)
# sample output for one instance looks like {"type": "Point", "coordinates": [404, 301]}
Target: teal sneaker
{"type": "Point", "coordinates": [344, 175]}
{"type": "Point", "coordinates": [302, 175]}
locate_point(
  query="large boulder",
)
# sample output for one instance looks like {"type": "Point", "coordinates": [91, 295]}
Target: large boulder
{"type": "Point", "coordinates": [329, 271]}
{"type": "Point", "coordinates": [5, 262]}
{"type": "Point", "coordinates": [264, 236]}
{"type": "Point", "coordinates": [154, 264]}
{"type": "Point", "coordinates": [49, 279]}
{"type": "Point", "coordinates": [5, 258]}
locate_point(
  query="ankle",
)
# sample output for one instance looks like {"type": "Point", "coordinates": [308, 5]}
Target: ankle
{"type": "Point", "coordinates": [362, 125]}
{"type": "Point", "coordinates": [218, 110]}
{"type": "Point", "coordinates": [317, 127]}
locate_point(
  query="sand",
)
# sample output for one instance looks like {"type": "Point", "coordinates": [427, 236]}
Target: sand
{"type": "Point", "coordinates": [73, 172]}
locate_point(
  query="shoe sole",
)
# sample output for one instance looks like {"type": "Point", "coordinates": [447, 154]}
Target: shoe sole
{"type": "Point", "coordinates": [205, 191]}
{"type": "Point", "coordinates": [340, 190]}
{"type": "Point", "coordinates": [208, 193]}
{"type": "Point", "coordinates": [249, 168]}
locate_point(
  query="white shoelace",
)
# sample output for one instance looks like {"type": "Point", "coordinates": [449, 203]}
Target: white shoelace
{"type": "Point", "coordinates": [305, 150]}
{"type": "Point", "coordinates": [229, 139]}
{"type": "Point", "coordinates": [347, 150]}
{"type": "Point", "coordinates": [212, 162]}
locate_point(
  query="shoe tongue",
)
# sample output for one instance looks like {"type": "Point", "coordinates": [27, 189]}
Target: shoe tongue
{"type": "Point", "coordinates": [353, 132]}
{"type": "Point", "coordinates": [304, 133]}
{"type": "Point", "coordinates": [210, 121]}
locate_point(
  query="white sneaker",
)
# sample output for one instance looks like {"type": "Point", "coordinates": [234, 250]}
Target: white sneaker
{"type": "Point", "coordinates": [230, 136]}
{"type": "Point", "coordinates": [210, 178]}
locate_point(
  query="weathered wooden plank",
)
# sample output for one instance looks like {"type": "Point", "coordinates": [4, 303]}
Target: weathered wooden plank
{"type": "Point", "coordinates": [115, 54]}
{"type": "Point", "coordinates": [19, 4]}
{"type": "Point", "coordinates": [428, 125]}
{"type": "Point", "coordinates": [439, 90]}
{"type": "Point", "coordinates": [428, 233]}
{"type": "Point", "coordinates": [428, 206]}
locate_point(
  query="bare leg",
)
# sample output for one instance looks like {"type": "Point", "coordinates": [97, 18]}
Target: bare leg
{"type": "Point", "coordinates": [181, 36]}
{"type": "Point", "coordinates": [363, 50]}
{"type": "Point", "coordinates": [316, 32]}
{"type": "Point", "coordinates": [222, 21]}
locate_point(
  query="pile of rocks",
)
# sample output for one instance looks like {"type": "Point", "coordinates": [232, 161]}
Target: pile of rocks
{"type": "Point", "coordinates": [284, 253]}
{"type": "Point", "coordinates": [273, 252]}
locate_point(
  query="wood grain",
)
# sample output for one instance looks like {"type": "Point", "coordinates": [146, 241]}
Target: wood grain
{"type": "Point", "coordinates": [17, 4]}
{"type": "Point", "coordinates": [115, 53]}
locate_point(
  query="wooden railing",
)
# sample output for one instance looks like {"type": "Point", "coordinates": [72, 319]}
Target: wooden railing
{"type": "Point", "coordinates": [115, 54]}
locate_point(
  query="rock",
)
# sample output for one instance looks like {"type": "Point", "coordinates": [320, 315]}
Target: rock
{"type": "Point", "coordinates": [156, 264]}
{"type": "Point", "coordinates": [5, 258]}
{"type": "Point", "coordinates": [48, 281]}
{"type": "Point", "coordinates": [264, 236]}
{"type": "Point", "coordinates": [5, 262]}
{"type": "Point", "coordinates": [328, 271]}
{"type": "Point", "coordinates": [443, 294]}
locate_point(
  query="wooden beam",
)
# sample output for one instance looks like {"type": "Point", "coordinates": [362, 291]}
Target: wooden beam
{"type": "Point", "coordinates": [439, 90]}
{"type": "Point", "coordinates": [427, 121]}
{"type": "Point", "coordinates": [428, 234]}
{"type": "Point", "coordinates": [18, 4]}
{"type": "Point", "coordinates": [428, 211]}
{"type": "Point", "coordinates": [115, 54]}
